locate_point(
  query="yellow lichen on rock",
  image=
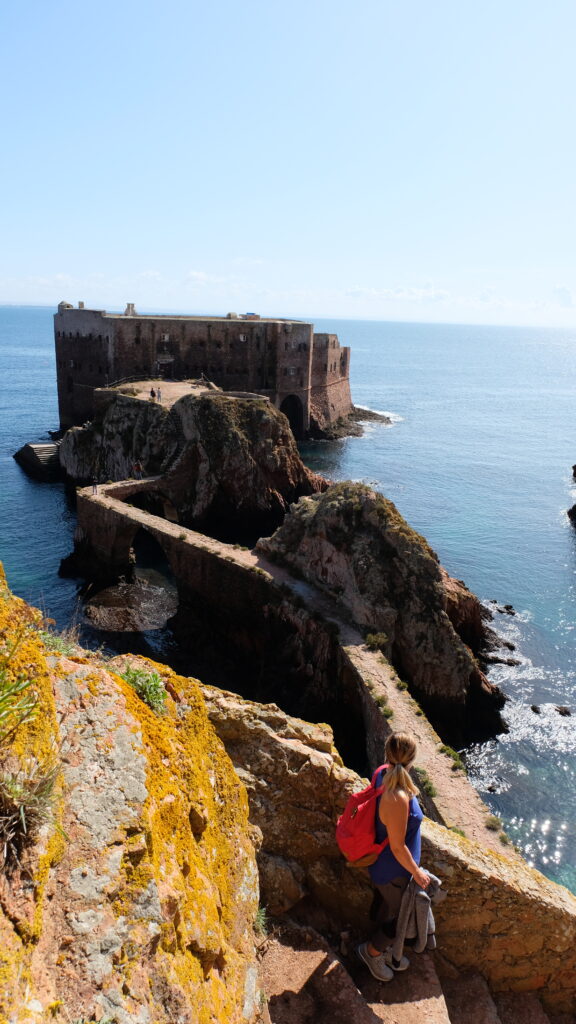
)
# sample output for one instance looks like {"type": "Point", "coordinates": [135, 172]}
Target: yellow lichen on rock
{"type": "Point", "coordinates": [143, 896]}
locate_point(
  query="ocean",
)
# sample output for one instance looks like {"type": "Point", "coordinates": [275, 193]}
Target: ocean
{"type": "Point", "coordinates": [478, 458]}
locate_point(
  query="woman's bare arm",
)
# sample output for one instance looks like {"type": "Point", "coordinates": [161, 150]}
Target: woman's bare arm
{"type": "Point", "coordinates": [394, 815]}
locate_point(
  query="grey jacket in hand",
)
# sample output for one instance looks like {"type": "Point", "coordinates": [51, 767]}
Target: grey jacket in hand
{"type": "Point", "coordinates": [416, 920]}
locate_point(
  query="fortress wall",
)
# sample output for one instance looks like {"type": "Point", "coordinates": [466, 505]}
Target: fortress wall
{"type": "Point", "coordinates": [281, 359]}
{"type": "Point", "coordinates": [84, 344]}
{"type": "Point", "coordinates": [330, 385]}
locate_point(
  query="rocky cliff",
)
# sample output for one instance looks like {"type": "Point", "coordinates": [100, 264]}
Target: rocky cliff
{"type": "Point", "coordinates": [354, 543]}
{"type": "Point", "coordinates": [132, 897]}
{"type": "Point", "coordinates": [228, 465]}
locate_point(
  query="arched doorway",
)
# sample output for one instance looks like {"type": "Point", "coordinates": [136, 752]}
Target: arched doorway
{"type": "Point", "coordinates": [293, 410]}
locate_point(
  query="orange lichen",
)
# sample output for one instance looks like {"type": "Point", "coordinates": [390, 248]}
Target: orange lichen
{"type": "Point", "coordinates": [187, 766]}
{"type": "Point", "coordinates": [33, 740]}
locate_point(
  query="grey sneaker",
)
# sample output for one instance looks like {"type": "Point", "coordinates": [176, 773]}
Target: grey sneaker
{"type": "Point", "coordinates": [375, 964]}
{"type": "Point", "coordinates": [397, 965]}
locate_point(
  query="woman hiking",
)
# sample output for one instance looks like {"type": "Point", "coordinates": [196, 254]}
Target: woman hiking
{"type": "Point", "coordinates": [398, 818]}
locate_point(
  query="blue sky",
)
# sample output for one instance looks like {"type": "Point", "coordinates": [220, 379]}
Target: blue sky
{"type": "Point", "coordinates": [410, 161]}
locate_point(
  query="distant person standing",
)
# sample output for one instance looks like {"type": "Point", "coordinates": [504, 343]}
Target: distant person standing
{"type": "Point", "coordinates": [152, 394]}
{"type": "Point", "coordinates": [159, 394]}
{"type": "Point", "coordinates": [94, 485]}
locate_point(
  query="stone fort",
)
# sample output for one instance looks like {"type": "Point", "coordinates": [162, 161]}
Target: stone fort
{"type": "Point", "coordinates": [305, 375]}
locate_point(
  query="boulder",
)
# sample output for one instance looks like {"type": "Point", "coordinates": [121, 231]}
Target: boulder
{"type": "Point", "coordinates": [353, 542]}
{"type": "Point", "coordinates": [297, 787]}
{"type": "Point", "coordinates": [227, 465]}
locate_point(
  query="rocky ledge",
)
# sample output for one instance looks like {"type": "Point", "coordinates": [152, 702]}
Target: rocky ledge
{"type": "Point", "coordinates": [229, 466]}
{"type": "Point", "coordinates": [354, 543]}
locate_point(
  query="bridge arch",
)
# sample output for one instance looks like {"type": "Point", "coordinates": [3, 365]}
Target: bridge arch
{"type": "Point", "coordinates": [294, 411]}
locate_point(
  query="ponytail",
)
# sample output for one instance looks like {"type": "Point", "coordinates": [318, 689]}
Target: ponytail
{"type": "Point", "coordinates": [398, 778]}
{"type": "Point", "coordinates": [400, 752]}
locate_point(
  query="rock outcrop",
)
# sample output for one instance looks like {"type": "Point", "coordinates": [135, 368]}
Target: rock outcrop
{"type": "Point", "coordinates": [355, 544]}
{"type": "Point", "coordinates": [135, 901]}
{"type": "Point", "coordinates": [297, 787]}
{"type": "Point", "coordinates": [228, 465]}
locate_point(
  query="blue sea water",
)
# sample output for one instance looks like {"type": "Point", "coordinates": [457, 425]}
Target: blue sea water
{"type": "Point", "coordinates": [478, 459]}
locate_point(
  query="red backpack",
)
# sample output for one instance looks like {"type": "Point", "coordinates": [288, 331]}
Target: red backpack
{"type": "Point", "coordinates": [356, 827]}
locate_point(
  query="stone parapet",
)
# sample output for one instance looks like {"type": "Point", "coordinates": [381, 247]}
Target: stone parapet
{"type": "Point", "coordinates": [504, 919]}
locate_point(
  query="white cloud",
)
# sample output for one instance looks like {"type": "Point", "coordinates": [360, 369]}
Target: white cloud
{"type": "Point", "coordinates": [564, 296]}
{"type": "Point", "coordinates": [402, 294]}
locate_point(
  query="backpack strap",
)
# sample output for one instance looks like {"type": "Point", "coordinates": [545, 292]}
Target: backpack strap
{"type": "Point", "coordinates": [382, 768]}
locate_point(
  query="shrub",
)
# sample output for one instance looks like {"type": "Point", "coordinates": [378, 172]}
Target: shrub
{"type": "Point", "coordinates": [425, 782]}
{"type": "Point", "coordinates": [62, 643]}
{"type": "Point", "coordinates": [401, 685]}
{"type": "Point", "coordinates": [374, 641]}
{"type": "Point", "coordinates": [17, 701]}
{"type": "Point", "coordinates": [458, 831]}
{"type": "Point", "coordinates": [493, 823]}
{"type": "Point", "coordinates": [261, 921]}
{"type": "Point", "coordinates": [450, 752]}
{"type": "Point", "coordinates": [26, 803]}
{"type": "Point", "coordinates": [504, 839]}
{"type": "Point", "coordinates": [148, 686]}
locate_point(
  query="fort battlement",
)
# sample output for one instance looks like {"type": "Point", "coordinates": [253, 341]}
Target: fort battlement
{"type": "Point", "coordinates": [305, 375]}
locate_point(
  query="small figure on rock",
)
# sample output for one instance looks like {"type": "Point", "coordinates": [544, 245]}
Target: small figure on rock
{"type": "Point", "coordinates": [152, 394]}
{"type": "Point", "coordinates": [563, 710]}
{"type": "Point", "coordinates": [94, 485]}
{"type": "Point", "coordinates": [158, 394]}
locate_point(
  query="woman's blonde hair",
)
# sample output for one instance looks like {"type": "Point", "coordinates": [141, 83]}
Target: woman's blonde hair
{"type": "Point", "coordinates": [400, 751]}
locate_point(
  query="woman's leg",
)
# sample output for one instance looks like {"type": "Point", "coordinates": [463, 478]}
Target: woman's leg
{"type": "Point", "coordinates": [384, 913]}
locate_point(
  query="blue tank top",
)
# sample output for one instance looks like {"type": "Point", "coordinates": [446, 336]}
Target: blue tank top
{"type": "Point", "coordinates": [387, 867]}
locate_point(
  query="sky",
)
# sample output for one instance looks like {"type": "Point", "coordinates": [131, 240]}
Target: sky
{"type": "Point", "coordinates": [376, 159]}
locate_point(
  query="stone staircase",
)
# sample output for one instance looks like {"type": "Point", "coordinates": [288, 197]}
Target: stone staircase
{"type": "Point", "coordinates": [179, 433]}
{"type": "Point", "coordinates": [40, 459]}
{"type": "Point", "coordinates": [308, 982]}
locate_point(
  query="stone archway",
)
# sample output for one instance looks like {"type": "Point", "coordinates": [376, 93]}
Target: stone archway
{"type": "Point", "coordinates": [293, 410]}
